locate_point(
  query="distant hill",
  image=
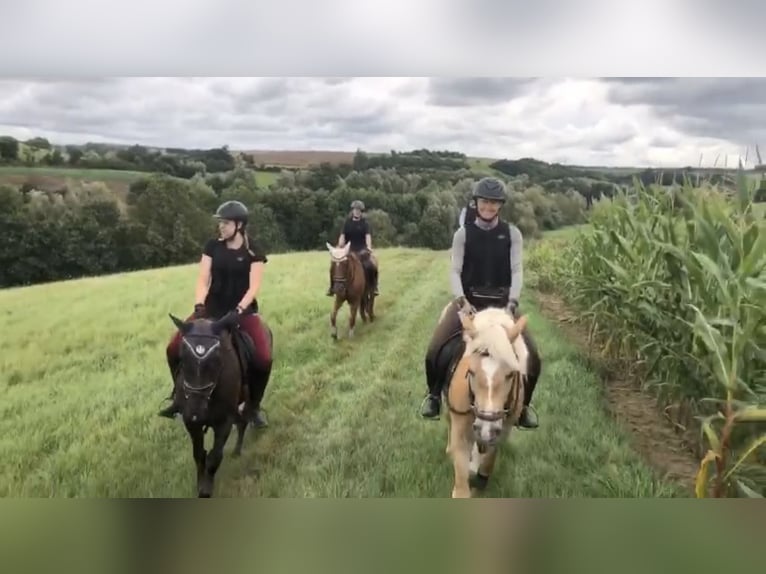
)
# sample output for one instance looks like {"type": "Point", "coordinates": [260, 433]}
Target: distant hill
{"type": "Point", "coordinates": [297, 158]}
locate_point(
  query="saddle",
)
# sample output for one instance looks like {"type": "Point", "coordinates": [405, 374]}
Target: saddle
{"type": "Point", "coordinates": [448, 359]}
{"type": "Point", "coordinates": [245, 349]}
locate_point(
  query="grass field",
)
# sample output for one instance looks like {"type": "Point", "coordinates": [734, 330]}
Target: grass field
{"type": "Point", "coordinates": [117, 180]}
{"type": "Point", "coordinates": [63, 172]}
{"type": "Point", "coordinates": [78, 412]}
{"type": "Point", "coordinates": [265, 178]}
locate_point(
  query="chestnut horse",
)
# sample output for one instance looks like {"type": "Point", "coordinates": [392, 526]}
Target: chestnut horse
{"type": "Point", "coordinates": [485, 394]}
{"type": "Point", "coordinates": [350, 284]}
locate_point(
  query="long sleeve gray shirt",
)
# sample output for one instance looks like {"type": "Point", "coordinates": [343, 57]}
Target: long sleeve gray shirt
{"type": "Point", "coordinates": [458, 250]}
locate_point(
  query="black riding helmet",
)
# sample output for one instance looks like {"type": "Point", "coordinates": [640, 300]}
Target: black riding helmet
{"type": "Point", "coordinates": [233, 211]}
{"type": "Point", "coordinates": [490, 188]}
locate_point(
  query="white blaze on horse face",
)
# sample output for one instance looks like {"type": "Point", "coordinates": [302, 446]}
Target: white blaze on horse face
{"type": "Point", "coordinates": [489, 397]}
{"type": "Point", "coordinates": [490, 366]}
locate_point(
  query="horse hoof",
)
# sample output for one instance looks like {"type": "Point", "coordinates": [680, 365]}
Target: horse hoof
{"type": "Point", "coordinates": [204, 495]}
{"type": "Point", "coordinates": [478, 481]}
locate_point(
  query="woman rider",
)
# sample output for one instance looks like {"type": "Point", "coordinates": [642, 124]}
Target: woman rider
{"type": "Point", "coordinates": [230, 272]}
{"type": "Point", "coordinates": [486, 272]}
{"type": "Point", "coordinates": [356, 231]}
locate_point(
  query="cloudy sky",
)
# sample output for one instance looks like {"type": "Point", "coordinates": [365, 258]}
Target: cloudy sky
{"type": "Point", "coordinates": [630, 121]}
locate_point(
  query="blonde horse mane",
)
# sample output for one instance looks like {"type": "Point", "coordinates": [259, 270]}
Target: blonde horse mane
{"type": "Point", "coordinates": [491, 330]}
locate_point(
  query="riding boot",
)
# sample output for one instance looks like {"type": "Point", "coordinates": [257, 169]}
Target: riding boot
{"type": "Point", "coordinates": [258, 419]}
{"type": "Point", "coordinates": [528, 418]}
{"type": "Point", "coordinates": [431, 406]}
{"type": "Point", "coordinates": [174, 408]}
{"type": "Point", "coordinates": [257, 389]}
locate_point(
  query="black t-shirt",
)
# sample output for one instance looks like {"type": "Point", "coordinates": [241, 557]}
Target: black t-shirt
{"type": "Point", "coordinates": [355, 231]}
{"type": "Point", "coordinates": [230, 276]}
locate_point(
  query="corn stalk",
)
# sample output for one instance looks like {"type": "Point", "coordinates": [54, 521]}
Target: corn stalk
{"type": "Point", "coordinates": [678, 277]}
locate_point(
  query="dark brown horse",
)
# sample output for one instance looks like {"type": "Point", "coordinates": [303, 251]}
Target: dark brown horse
{"type": "Point", "coordinates": [213, 392]}
{"type": "Point", "coordinates": [351, 285]}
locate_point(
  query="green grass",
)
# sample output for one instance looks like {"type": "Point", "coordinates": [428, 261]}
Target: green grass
{"type": "Point", "coordinates": [63, 172]}
{"type": "Point", "coordinates": [262, 178]}
{"type": "Point", "coordinates": [482, 165]}
{"type": "Point", "coordinates": [83, 373]}
{"type": "Point", "coordinates": [265, 178]}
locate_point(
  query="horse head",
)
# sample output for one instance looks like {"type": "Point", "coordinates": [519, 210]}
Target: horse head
{"type": "Point", "coordinates": [339, 268]}
{"type": "Point", "coordinates": [497, 363]}
{"type": "Point", "coordinates": [205, 345]}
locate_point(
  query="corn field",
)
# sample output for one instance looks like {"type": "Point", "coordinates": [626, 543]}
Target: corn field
{"type": "Point", "coordinates": [673, 282]}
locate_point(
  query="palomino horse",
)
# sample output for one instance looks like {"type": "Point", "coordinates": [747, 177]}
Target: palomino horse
{"type": "Point", "coordinates": [213, 390]}
{"type": "Point", "coordinates": [351, 285]}
{"type": "Point", "coordinates": [485, 394]}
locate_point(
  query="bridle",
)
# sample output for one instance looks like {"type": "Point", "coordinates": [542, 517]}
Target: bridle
{"type": "Point", "coordinates": [491, 416]}
{"type": "Point", "coordinates": [342, 279]}
{"type": "Point", "coordinates": [200, 354]}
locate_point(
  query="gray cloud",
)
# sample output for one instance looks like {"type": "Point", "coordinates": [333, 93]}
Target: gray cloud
{"type": "Point", "coordinates": [638, 122]}
{"type": "Point", "coordinates": [726, 108]}
{"type": "Point", "coordinates": [476, 91]}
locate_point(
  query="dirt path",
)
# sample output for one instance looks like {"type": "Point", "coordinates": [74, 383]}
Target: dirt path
{"type": "Point", "coordinates": [653, 435]}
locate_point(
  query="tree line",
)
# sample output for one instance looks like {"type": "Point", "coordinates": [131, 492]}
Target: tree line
{"type": "Point", "coordinates": [85, 229]}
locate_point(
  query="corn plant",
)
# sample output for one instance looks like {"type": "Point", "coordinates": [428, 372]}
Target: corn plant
{"type": "Point", "coordinates": [676, 281]}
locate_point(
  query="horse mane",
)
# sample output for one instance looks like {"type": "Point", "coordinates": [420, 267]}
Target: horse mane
{"type": "Point", "coordinates": [489, 333]}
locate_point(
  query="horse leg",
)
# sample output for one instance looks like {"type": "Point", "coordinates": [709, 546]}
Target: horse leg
{"type": "Point", "coordinates": [241, 426]}
{"type": "Point", "coordinates": [198, 450]}
{"type": "Point", "coordinates": [486, 463]}
{"type": "Point", "coordinates": [371, 305]}
{"type": "Point", "coordinates": [352, 318]}
{"type": "Point", "coordinates": [373, 289]}
{"type": "Point", "coordinates": [460, 449]}
{"type": "Point", "coordinates": [215, 456]}
{"type": "Point", "coordinates": [333, 318]}
{"type": "Point", "coordinates": [241, 418]}
{"type": "Point", "coordinates": [363, 308]}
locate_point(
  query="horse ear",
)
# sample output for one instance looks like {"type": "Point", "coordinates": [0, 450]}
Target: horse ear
{"type": "Point", "coordinates": [346, 249]}
{"type": "Point", "coordinates": [515, 330]}
{"type": "Point", "coordinates": [183, 327]}
{"type": "Point", "coordinates": [466, 320]}
{"type": "Point", "coordinates": [329, 247]}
